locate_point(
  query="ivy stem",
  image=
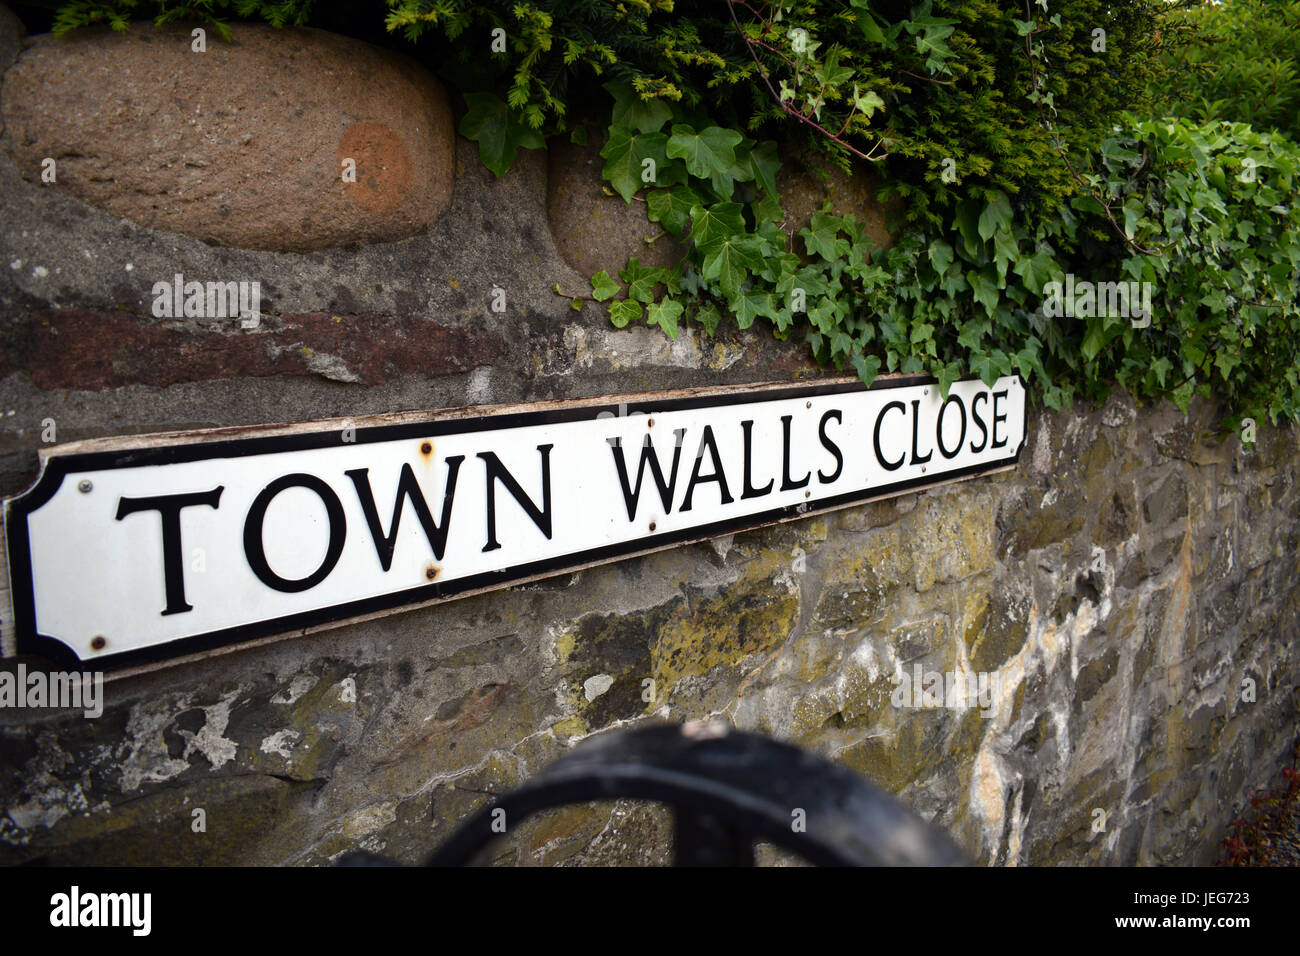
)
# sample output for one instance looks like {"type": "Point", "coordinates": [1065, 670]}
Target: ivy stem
{"type": "Point", "coordinates": [791, 111]}
{"type": "Point", "coordinates": [927, 79]}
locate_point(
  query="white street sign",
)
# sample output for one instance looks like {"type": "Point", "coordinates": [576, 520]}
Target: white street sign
{"type": "Point", "coordinates": [126, 551]}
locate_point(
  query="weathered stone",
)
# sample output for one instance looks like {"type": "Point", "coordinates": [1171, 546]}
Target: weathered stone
{"type": "Point", "coordinates": [1049, 518]}
{"type": "Point", "coordinates": [1168, 502]}
{"type": "Point", "coordinates": [593, 230]}
{"type": "Point", "coordinates": [896, 760]}
{"type": "Point", "coordinates": [924, 642]}
{"type": "Point", "coordinates": [609, 659]}
{"type": "Point", "coordinates": [806, 180]}
{"type": "Point", "coordinates": [951, 537]}
{"type": "Point", "coordinates": [238, 813]}
{"type": "Point", "coordinates": [876, 514]}
{"type": "Point", "coordinates": [996, 633]}
{"type": "Point", "coordinates": [487, 652]}
{"type": "Point", "coordinates": [753, 614]}
{"type": "Point", "coordinates": [11, 38]}
{"type": "Point", "coordinates": [1089, 586]}
{"type": "Point", "coordinates": [1094, 675]}
{"type": "Point", "coordinates": [1117, 517]}
{"type": "Point", "coordinates": [1096, 477]}
{"type": "Point", "coordinates": [554, 836]}
{"type": "Point", "coordinates": [637, 833]}
{"type": "Point", "coordinates": [1178, 441]}
{"type": "Point", "coordinates": [72, 348]}
{"type": "Point", "coordinates": [245, 144]}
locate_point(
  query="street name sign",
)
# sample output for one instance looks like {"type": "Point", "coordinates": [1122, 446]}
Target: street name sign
{"type": "Point", "coordinates": [130, 551]}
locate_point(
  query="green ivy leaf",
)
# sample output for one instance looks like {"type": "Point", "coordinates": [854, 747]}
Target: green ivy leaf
{"type": "Point", "coordinates": [633, 113]}
{"type": "Point", "coordinates": [728, 262]}
{"type": "Point", "coordinates": [767, 209]}
{"type": "Point", "coordinates": [1037, 270]}
{"type": "Point", "coordinates": [995, 217]}
{"type": "Point", "coordinates": [1132, 213]}
{"type": "Point", "coordinates": [709, 152]}
{"type": "Point", "coordinates": [490, 123]}
{"type": "Point", "coordinates": [766, 164]}
{"type": "Point", "coordinates": [940, 256]}
{"type": "Point", "coordinates": [870, 29]}
{"type": "Point", "coordinates": [1094, 340]}
{"type": "Point", "coordinates": [821, 315]}
{"type": "Point", "coordinates": [641, 280]}
{"type": "Point", "coordinates": [624, 155]}
{"type": "Point", "coordinates": [709, 317]}
{"type": "Point", "coordinates": [623, 311]}
{"type": "Point", "coordinates": [968, 218]}
{"type": "Point", "coordinates": [972, 333]}
{"type": "Point", "coordinates": [820, 236]}
{"type": "Point", "coordinates": [753, 304]}
{"type": "Point", "coordinates": [671, 208]}
{"type": "Point", "coordinates": [602, 286]}
{"type": "Point", "coordinates": [1027, 360]}
{"type": "Point", "coordinates": [665, 314]}
{"type": "Point", "coordinates": [713, 225]}
{"type": "Point", "coordinates": [985, 292]}
{"type": "Point", "coordinates": [947, 374]}
{"type": "Point", "coordinates": [990, 367]}
{"type": "Point", "coordinates": [867, 367]}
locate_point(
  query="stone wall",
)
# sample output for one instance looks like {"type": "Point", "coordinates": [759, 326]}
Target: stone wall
{"type": "Point", "coordinates": [1130, 589]}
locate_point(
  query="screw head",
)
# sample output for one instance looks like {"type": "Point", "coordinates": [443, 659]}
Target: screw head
{"type": "Point", "coordinates": [652, 525]}
{"type": "Point", "coordinates": [426, 448]}
{"type": "Point", "coordinates": [650, 423]}
{"type": "Point", "coordinates": [84, 486]}
{"type": "Point", "coordinates": [98, 642]}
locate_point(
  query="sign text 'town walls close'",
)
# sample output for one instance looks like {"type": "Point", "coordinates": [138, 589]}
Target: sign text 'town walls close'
{"type": "Point", "coordinates": [130, 550]}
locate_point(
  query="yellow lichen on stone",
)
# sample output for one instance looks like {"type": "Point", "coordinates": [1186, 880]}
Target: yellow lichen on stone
{"type": "Point", "coordinates": [570, 727]}
{"type": "Point", "coordinates": [753, 614]}
{"type": "Point", "coordinates": [564, 647]}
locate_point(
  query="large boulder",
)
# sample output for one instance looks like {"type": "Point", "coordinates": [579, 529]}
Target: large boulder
{"type": "Point", "coordinates": [244, 144]}
{"type": "Point", "coordinates": [11, 37]}
{"type": "Point", "coordinates": [594, 228]}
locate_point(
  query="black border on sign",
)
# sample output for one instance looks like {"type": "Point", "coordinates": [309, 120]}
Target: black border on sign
{"type": "Point", "coordinates": [57, 467]}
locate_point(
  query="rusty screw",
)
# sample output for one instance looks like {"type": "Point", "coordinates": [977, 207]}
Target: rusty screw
{"type": "Point", "coordinates": [98, 643]}
{"type": "Point", "coordinates": [426, 448]}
